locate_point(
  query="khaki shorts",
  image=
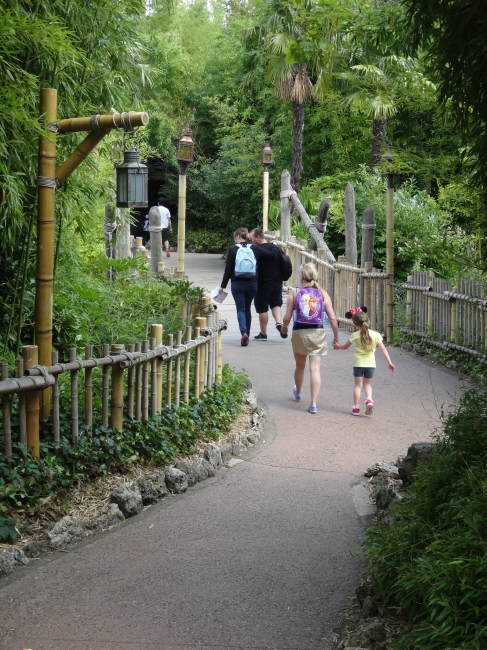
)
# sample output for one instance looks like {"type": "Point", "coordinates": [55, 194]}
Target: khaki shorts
{"type": "Point", "coordinates": [310, 342]}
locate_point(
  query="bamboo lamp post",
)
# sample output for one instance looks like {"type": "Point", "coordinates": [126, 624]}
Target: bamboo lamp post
{"type": "Point", "coordinates": [49, 179]}
{"type": "Point", "coordinates": [267, 160]}
{"type": "Point", "coordinates": [185, 156]}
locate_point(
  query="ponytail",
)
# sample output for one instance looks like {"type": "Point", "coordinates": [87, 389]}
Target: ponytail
{"type": "Point", "coordinates": [362, 322]}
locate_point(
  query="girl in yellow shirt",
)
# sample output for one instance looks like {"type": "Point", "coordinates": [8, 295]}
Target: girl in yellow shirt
{"type": "Point", "coordinates": [366, 341]}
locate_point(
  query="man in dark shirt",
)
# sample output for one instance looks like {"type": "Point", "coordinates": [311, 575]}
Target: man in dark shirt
{"type": "Point", "coordinates": [269, 289]}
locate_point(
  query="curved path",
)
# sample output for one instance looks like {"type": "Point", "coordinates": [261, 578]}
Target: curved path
{"type": "Point", "coordinates": [263, 556]}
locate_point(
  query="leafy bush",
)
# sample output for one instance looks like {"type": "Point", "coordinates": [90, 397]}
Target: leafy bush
{"type": "Point", "coordinates": [8, 531]}
{"type": "Point", "coordinates": [432, 563]}
{"type": "Point", "coordinates": [102, 450]}
{"type": "Point", "coordinates": [206, 241]}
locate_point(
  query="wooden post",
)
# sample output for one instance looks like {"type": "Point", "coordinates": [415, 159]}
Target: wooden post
{"type": "Point", "coordinates": [367, 298]}
{"type": "Point", "coordinates": [32, 403]}
{"type": "Point", "coordinates": [138, 385]}
{"type": "Point", "coordinates": [74, 398]}
{"type": "Point", "coordinates": [321, 222]}
{"type": "Point", "coordinates": [88, 388]}
{"type": "Point", "coordinates": [155, 239]}
{"type": "Point", "coordinates": [409, 297]}
{"type": "Point", "coordinates": [187, 365]}
{"type": "Point", "coordinates": [350, 226]}
{"type": "Point", "coordinates": [45, 238]}
{"type": "Point", "coordinates": [177, 372]}
{"type": "Point", "coordinates": [7, 429]}
{"type": "Point", "coordinates": [22, 422]}
{"type": "Point", "coordinates": [130, 386]}
{"type": "Point", "coordinates": [368, 236]}
{"type": "Point", "coordinates": [181, 217]}
{"type": "Point", "coordinates": [117, 389]}
{"type": "Point", "coordinates": [390, 259]}
{"type": "Point", "coordinates": [105, 390]}
{"type": "Point", "coordinates": [170, 341]}
{"type": "Point", "coordinates": [265, 200]}
{"type": "Point", "coordinates": [200, 325]}
{"type": "Point", "coordinates": [285, 205]}
{"type": "Point", "coordinates": [453, 320]}
{"type": "Point", "coordinates": [145, 384]}
{"type": "Point", "coordinates": [123, 232]}
{"type": "Point", "coordinates": [220, 355]}
{"type": "Point", "coordinates": [56, 429]}
{"type": "Point", "coordinates": [156, 333]}
{"type": "Point", "coordinates": [154, 383]}
{"type": "Point", "coordinates": [197, 357]}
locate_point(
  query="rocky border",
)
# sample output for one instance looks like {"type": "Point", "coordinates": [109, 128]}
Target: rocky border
{"type": "Point", "coordinates": [129, 499]}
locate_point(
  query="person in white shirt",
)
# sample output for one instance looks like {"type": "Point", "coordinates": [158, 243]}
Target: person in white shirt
{"type": "Point", "coordinates": [165, 222]}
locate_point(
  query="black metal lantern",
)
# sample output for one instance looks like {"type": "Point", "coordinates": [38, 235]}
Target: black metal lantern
{"type": "Point", "coordinates": [267, 158]}
{"type": "Point", "coordinates": [185, 153]}
{"type": "Point", "coordinates": [132, 177]}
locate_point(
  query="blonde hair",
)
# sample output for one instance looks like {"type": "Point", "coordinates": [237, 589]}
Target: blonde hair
{"type": "Point", "coordinates": [309, 273]}
{"type": "Point", "coordinates": [361, 321]}
{"type": "Point", "coordinates": [243, 233]}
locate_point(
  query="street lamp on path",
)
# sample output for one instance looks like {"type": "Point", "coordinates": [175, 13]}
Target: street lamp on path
{"type": "Point", "coordinates": [185, 156]}
{"type": "Point", "coordinates": [267, 161]}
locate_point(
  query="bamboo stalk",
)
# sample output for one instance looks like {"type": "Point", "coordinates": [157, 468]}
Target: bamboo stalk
{"type": "Point", "coordinates": [201, 324]}
{"type": "Point", "coordinates": [145, 384]}
{"type": "Point", "coordinates": [88, 388]}
{"type": "Point", "coordinates": [74, 398]}
{"type": "Point", "coordinates": [181, 220]}
{"type": "Point", "coordinates": [105, 388]}
{"type": "Point", "coordinates": [7, 427]}
{"type": "Point", "coordinates": [170, 341]}
{"type": "Point", "coordinates": [157, 333]}
{"type": "Point", "coordinates": [390, 258]}
{"type": "Point", "coordinates": [112, 120]}
{"type": "Point", "coordinates": [22, 423]}
{"type": "Point", "coordinates": [197, 364]}
{"type": "Point", "coordinates": [138, 385]}
{"type": "Point", "coordinates": [177, 371]}
{"type": "Point", "coordinates": [32, 404]}
{"type": "Point", "coordinates": [154, 385]}
{"type": "Point", "coordinates": [130, 386]}
{"type": "Point", "coordinates": [187, 365]}
{"type": "Point", "coordinates": [56, 430]}
{"type": "Point", "coordinates": [117, 389]}
{"type": "Point", "coordinates": [220, 355]}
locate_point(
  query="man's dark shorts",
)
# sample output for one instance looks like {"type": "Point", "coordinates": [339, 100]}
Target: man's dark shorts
{"type": "Point", "coordinates": [268, 295]}
{"type": "Point", "coordinates": [165, 234]}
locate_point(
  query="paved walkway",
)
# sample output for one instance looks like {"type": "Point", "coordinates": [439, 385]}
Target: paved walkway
{"type": "Point", "coordinates": [263, 556]}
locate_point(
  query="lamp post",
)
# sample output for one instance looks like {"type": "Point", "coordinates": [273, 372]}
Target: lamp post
{"type": "Point", "coordinates": [185, 156]}
{"type": "Point", "coordinates": [267, 161]}
{"type": "Point", "coordinates": [389, 175]}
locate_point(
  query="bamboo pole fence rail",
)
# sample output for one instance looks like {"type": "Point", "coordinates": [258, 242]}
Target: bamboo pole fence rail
{"type": "Point", "coordinates": [133, 382]}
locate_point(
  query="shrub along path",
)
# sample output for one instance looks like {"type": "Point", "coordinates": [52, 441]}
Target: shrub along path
{"type": "Point", "coordinates": [261, 556]}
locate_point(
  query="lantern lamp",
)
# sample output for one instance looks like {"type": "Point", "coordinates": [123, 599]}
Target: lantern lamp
{"type": "Point", "coordinates": [267, 157]}
{"type": "Point", "coordinates": [132, 177]}
{"type": "Point", "coordinates": [185, 153]}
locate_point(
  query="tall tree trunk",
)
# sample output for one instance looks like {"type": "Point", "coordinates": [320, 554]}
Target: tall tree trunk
{"type": "Point", "coordinates": [298, 128]}
{"type": "Point", "coordinates": [379, 142]}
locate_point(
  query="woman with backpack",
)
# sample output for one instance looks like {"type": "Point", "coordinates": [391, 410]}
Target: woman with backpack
{"type": "Point", "coordinates": [310, 303]}
{"type": "Point", "coordinates": [241, 268]}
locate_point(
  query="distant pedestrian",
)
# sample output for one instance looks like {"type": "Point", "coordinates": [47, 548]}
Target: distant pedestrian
{"type": "Point", "coordinates": [310, 303]}
{"type": "Point", "coordinates": [366, 342]}
{"type": "Point", "coordinates": [241, 268]}
{"type": "Point", "coordinates": [162, 217]}
{"type": "Point", "coordinates": [269, 285]}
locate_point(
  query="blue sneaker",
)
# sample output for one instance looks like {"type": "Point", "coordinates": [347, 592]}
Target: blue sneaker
{"type": "Point", "coordinates": [296, 396]}
{"type": "Point", "coordinates": [313, 409]}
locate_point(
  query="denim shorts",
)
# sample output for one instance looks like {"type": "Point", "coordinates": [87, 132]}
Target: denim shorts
{"type": "Point", "coordinates": [368, 373]}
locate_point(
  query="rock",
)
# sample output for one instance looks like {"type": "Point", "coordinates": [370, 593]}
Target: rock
{"type": "Point", "coordinates": [250, 398]}
{"type": "Point", "coordinates": [369, 608]}
{"type": "Point", "coordinates": [382, 466]}
{"type": "Point", "coordinates": [128, 499]}
{"type": "Point", "coordinates": [12, 558]}
{"type": "Point", "coordinates": [113, 517]}
{"type": "Point", "coordinates": [35, 549]}
{"type": "Point", "coordinates": [67, 531]}
{"type": "Point", "coordinates": [418, 348]}
{"type": "Point", "coordinates": [418, 452]}
{"type": "Point", "coordinates": [203, 469]}
{"type": "Point", "coordinates": [367, 634]}
{"type": "Point", "coordinates": [146, 489]}
{"type": "Point", "coordinates": [226, 452]}
{"type": "Point", "coordinates": [213, 455]}
{"type": "Point", "coordinates": [253, 436]}
{"type": "Point", "coordinates": [239, 443]}
{"type": "Point", "coordinates": [189, 470]}
{"type": "Point", "coordinates": [158, 479]}
{"type": "Point", "coordinates": [176, 480]}
{"type": "Point", "coordinates": [451, 365]}
{"type": "Point", "coordinates": [386, 496]}
{"type": "Point", "coordinates": [364, 591]}
{"type": "Point", "coordinates": [255, 420]}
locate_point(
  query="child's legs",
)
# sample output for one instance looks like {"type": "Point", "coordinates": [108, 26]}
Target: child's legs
{"type": "Point", "coordinates": [368, 388]}
{"type": "Point", "coordinates": [315, 377]}
{"type": "Point", "coordinates": [357, 389]}
{"type": "Point", "coordinates": [299, 371]}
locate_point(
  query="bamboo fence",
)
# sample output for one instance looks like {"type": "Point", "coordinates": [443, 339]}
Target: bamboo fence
{"type": "Point", "coordinates": [135, 382]}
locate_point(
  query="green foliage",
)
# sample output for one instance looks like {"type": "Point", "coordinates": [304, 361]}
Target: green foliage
{"type": "Point", "coordinates": [431, 562]}
{"type": "Point", "coordinates": [206, 241]}
{"type": "Point", "coordinates": [102, 450]}
{"type": "Point", "coordinates": [8, 531]}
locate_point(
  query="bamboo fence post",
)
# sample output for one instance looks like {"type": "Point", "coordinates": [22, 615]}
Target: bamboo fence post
{"type": "Point", "coordinates": [22, 423]}
{"type": "Point", "coordinates": [350, 225]}
{"type": "Point", "coordinates": [187, 365]}
{"type": "Point", "coordinates": [156, 333]}
{"type": "Point", "coordinates": [130, 386]}
{"type": "Point", "coordinates": [117, 389]}
{"type": "Point", "coordinates": [220, 355]}
{"type": "Point", "coordinates": [154, 386]}
{"type": "Point", "coordinates": [390, 258]}
{"type": "Point", "coordinates": [56, 430]}
{"type": "Point", "coordinates": [74, 398]}
{"type": "Point", "coordinates": [105, 390]}
{"type": "Point", "coordinates": [32, 402]}
{"type": "Point", "coordinates": [197, 362]}
{"type": "Point", "coordinates": [7, 427]}
{"type": "Point", "coordinates": [429, 315]}
{"type": "Point", "coordinates": [214, 351]}
{"type": "Point", "coordinates": [145, 384]}
{"type": "Point", "coordinates": [207, 310]}
{"type": "Point", "coordinates": [156, 247]}
{"type": "Point", "coordinates": [453, 320]}
{"type": "Point", "coordinates": [409, 298]}
{"type": "Point", "coordinates": [366, 297]}
{"type": "Point", "coordinates": [177, 372]}
{"type": "Point", "coordinates": [88, 388]}
{"type": "Point", "coordinates": [285, 204]}
{"type": "Point", "coordinates": [138, 385]}
{"type": "Point", "coordinates": [170, 342]}
{"type": "Point", "coordinates": [200, 325]}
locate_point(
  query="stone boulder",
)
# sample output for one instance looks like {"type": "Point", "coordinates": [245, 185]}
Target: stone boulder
{"type": "Point", "coordinates": [67, 531]}
{"type": "Point", "coordinates": [253, 435]}
{"type": "Point", "coordinates": [250, 398]}
{"type": "Point", "coordinates": [158, 479]}
{"type": "Point", "coordinates": [213, 455]}
{"type": "Point", "coordinates": [146, 489]}
{"type": "Point", "coordinates": [35, 549]}
{"type": "Point", "coordinates": [203, 468]}
{"type": "Point", "coordinates": [12, 558]}
{"type": "Point", "coordinates": [110, 518]}
{"type": "Point", "coordinates": [386, 496]}
{"type": "Point", "coordinates": [128, 499]}
{"type": "Point", "coordinates": [189, 470]}
{"type": "Point", "coordinates": [382, 467]}
{"type": "Point", "coordinates": [367, 634]}
{"type": "Point", "coordinates": [239, 443]}
{"type": "Point", "coordinates": [226, 452]}
{"type": "Point", "coordinates": [407, 466]}
{"type": "Point", "coordinates": [176, 480]}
